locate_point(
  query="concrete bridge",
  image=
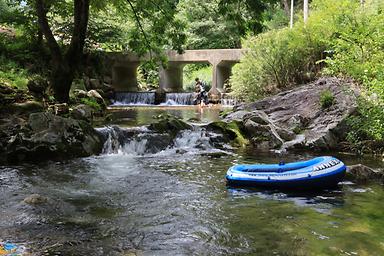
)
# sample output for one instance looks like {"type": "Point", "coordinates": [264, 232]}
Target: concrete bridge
{"type": "Point", "coordinates": [124, 68]}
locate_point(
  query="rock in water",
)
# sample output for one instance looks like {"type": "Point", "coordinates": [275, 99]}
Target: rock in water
{"type": "Point", "coordinates": [361, 174]}
{"type": "Point", "coordinates": [35, 199]}
{"type": "Point", "coordinates": [169, 124]}
{"type": "Point", "coordinates": [50, 137]}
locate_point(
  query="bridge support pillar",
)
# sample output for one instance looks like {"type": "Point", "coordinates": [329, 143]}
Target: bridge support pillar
{"type": "Point", "coordinates": [124, 76]}
{"type": "Point", "coordinates": [171, 77]}
{"type": "Point", "coordinates": [221, 73]}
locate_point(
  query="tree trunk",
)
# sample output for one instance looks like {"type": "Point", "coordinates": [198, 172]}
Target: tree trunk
{"type": "Point", "coordinates": [291, 15]}
{"type": "Point", "coordinates": [61, 79]}
{"type": "Point", "coordinates": [285, 5]}
{"type": "Point", "coordinates": [305, 10]}
{"type": "Point", "coordinates": [65, 66]}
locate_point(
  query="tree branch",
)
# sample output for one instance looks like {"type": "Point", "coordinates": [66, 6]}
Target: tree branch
{"type": "Point", "coordinates": [141, 28]}
{"type": "Point", "coordinates": [81, 17]}
{"type": "Point", "coordinates": [54, 47]}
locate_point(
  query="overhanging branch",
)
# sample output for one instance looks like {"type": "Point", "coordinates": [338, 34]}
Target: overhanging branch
{"type": "Point", "coordinates": [141, 27]}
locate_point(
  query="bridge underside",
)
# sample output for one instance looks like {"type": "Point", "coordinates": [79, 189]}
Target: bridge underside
{"type": "Point", "coordinates": [124, 69]}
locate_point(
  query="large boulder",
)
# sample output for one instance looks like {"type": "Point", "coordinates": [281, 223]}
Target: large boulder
{"type": "Point", "coordinates": [82, 112]}
{"type": "Point", "coordinates": [263, 136]}
{"type": "Point", "coordinates": [295, 119]}
{"type": "Point", "coordinates": [26, 107]}
{"type": "Point", "coordinates": [169, 124]}
{"type": "Point", "coordinates": [37, 85]}
{"type": "Point", "coordinates": [49, 137]}
{"type": "Point", "coordinates": [232, 131]}
{"type": "Point", "coordinates": [361, 174]}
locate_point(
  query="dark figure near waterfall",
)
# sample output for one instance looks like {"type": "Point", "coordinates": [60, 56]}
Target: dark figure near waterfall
{"type": "Point", "coordinates": [202, 96]}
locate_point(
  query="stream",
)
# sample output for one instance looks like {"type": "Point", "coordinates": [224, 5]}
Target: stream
{"type": "Point", "coordinates": [176, 202]}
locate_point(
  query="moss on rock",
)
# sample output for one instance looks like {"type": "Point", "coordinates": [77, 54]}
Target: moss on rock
{"type": "Point", "coordinates": [169, 124]}
{"type": "Point", "coordinates": [233, 131]}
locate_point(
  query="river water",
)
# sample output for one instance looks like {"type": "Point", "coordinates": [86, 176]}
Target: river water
{"type": "Point", "coordinates": [176, 202]}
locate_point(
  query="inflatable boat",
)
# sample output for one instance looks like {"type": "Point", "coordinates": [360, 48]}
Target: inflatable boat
{"type": "Point", "coordinates": [319, 172]}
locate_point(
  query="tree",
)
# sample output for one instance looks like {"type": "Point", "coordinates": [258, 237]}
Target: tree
{"type": "Point", "coordinates": [291, 15]}
{"type": "Point", "coordinates": [64, 64]}
{"type": "Point", "coordinates": [247, 14]}
{"type": "Point", "coordinates": [206, 27]}
{"type": "Point", "coordinates": [305, 10]}
{"type": "Point", "coordinates": [67, 51]}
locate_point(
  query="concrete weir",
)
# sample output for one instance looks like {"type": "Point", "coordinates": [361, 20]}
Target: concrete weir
{"type": "Point", "coordinates": [124, 68]}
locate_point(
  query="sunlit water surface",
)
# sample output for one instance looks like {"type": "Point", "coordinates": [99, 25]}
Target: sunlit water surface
{"type": "Point", "coordinates": [172, 203]}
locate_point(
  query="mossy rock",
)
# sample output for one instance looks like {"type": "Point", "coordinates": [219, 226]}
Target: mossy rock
{"type": "Point", "coordinates": [233, 131]}
{"type": "Point", "coordinates": [169, 124]}
{"type": "Point", "coordinates": [26, 107]}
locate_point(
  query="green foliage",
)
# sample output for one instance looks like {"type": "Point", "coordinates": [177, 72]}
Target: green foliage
{"type": "Point", "coordinates": [285, 57]}
{"type": "Point", "coordinates": [275, 18]}
{"type": "Point", "coordinates": [359, 48]}
{"type": "Point", "coordinates": [247, 15]}
{"type": "Point", "coordinates": [205, 27]}
{"type": "Point", "coordinates": [368, 123]}
{"type": "Point", "coordinates": [192, 71]}
{"type": "Point", "coordinates": [359, 54]}
{"type": "Point", "coordinates": [148, 76]}
{"type": "Point", "coordinates": [276, 60]}
{"type": "Point", "coordinates": [12, 74]}
{"type": "Point", "coordinates": [92, 103]}
{"type": "Point", "coordinates": [326, 99]}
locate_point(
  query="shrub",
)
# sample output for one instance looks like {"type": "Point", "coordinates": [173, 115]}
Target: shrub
{"type": "Point", "coordinates": [368, 124]}
{"type": "Point", "coordinates": [12, 75]}
{"type": "Point", "coordinates": [275, 60]}
{"type": "Point", "coordinates": [326, 99]}
{"type": "Point", "coordinates": [285, 57]}
{"type": "Point", "coordinates": [92, 103]}
{"type": "Point", "coordinates": [359, 54]}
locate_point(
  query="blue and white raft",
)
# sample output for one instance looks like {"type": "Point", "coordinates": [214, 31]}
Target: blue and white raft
{"type": "Point", "coordinates": [319, 172]}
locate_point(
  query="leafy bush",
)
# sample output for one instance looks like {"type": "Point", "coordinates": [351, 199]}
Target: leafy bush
{"type": "Point", "coordinates": [359, 54]}
{"type": "Point", "coordinates": [92, 103]}
{"type": "Point", "coordinates": [368, 123]}
{"type": "Point", "coordinates": [276, 60]}
{"type": "Point", "coordinates": [285, 57]}
{"type": "Point", "coordinates": [326, 99]}
{"type": "Point", "coordinates": [12, 75]}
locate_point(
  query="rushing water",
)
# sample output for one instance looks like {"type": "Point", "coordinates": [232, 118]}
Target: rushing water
{"type": "Point", "coordinates": [134, 98]}
{"type": "Point", "coordinates": [175, 202]}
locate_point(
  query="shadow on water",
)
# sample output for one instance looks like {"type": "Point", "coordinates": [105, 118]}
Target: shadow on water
{"type": "Point", "coordinates": [176, 202]}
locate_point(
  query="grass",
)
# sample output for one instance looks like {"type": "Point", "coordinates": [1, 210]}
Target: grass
{"type": "Point", "coordinates": [12, 75]}
{"type": "Point", "coordinates": [326, 99]}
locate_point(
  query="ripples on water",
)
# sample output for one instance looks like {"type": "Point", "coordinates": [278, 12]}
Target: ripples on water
{"type": "Point", "coordinates": [175, 202]}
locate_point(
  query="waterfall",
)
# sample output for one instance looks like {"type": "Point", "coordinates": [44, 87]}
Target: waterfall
{"type": "Point", "coordinates": [141, 141]}
{"type": "Point", "coordinates": [228, 100]}
{"type": "Point", "coordinates": [134, 98]}
{"type": "Point", "coordinates": [183, 98]}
